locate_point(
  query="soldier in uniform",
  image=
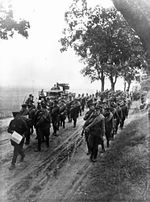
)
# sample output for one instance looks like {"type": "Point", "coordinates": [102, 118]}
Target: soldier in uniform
{"type": "Point", "coordinates": [62, 113]}
{"type": "Point", "coordinates": [88, 119]}
{"type": "Point", "coordinates": [75, 109]}
{"type": "Point", "coordinates": [109, 121]}
{"type": "Point", "coordinates": [31, 114]}
{"type": "Point", "coordinates": [118, 117]}
{"type": "Point", "coordinates": [68, 108]}
{"type": "Point", "coordinates": [24, 110]}
{"type": "Point", "coordinates": [55, 117]}
{"type": "Point", "coordinates": [30, 100]}
{"type": "Point", "coordinates": [43, 125]}
{"type": "Point", "coordinates": [124, 109]}
{"type": "Point", "coordinates": [83, 102]}
{"type": "Point", "coordinates": [96, 131]}
{"type": "Point", "coordinates": [20, 126]}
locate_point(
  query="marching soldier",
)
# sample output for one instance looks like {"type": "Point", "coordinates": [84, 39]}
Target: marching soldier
{"type": "Point", "coordinates": [109, 121]}
{"type": "Point", "coordinates": [118, 117]}
{"type": "Point", "coordinates": [24, 110]}
{"type": "Point", "coordinates": [75, 109]}
{"type": "Point", "coordinates": [43, 125]}
{"type": "Point", "coordinates": [20, 126]}
{"type": "Point", "coordinates": [68, 108]}
{"type": "Point", "coordinates": [62, 113]}
{"type": "Point", "coordinates": [96, 131]}
{"type": "Point", "coordinates": [88, 119]}
{"type": "Point", "coordinates": [30, 100]}
{"type": "Point", "coordinates": [124, 109]}
{"type": "Point", "coordinates": [31, 114]}
{"type": "Point", "coordinates": [83, 102]}
{"type": "Point", "coordinates": [55, 117]}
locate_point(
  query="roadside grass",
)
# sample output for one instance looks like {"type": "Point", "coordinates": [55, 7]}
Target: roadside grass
{"type": "Point", "coordinates": [122, 173]}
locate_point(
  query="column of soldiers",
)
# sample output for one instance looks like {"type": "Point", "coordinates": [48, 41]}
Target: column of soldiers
{"type": "Point", "coordinates": [40, 118]}
{"type": "Point", "coordinates": [106, 113]}
{"type": "Point", "coordinates": [103, 118]}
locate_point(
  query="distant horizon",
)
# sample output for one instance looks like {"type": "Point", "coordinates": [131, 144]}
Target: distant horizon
{"type": "Point", "coordinates": [91, 88]}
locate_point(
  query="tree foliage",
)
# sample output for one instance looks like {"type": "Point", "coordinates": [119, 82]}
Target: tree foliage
{"type": "Point", "coordinates": [103, 40]}
{"type": "Point", "coordinates": [9, 26]}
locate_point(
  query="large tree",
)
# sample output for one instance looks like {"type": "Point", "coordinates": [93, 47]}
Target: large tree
{"type": "Point", "coordinates": [103, 40]}
{"type": "Point", "coordinates": [83, 35]}
{"type": "Point", "coordinates": [9, 26]}
{"type": "Point", "coordinates": [137, 13]}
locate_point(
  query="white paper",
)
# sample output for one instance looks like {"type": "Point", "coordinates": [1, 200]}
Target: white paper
{"type": "Point", "coordinates": [16, 137]}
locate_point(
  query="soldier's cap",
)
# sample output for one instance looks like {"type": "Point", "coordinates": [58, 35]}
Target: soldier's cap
{"type": "Point", "coordinates": [90, 104]}
{"type": "Point", "coordinates": [43, 104]}
{"type": "Point", "coordinates": [15, 114]}
{"type": "Point", "coordinates": [24, 105]}
{"type": "Point", "coordinates": [113, 104]}
{"type": "Point", "coordinates": [98, 107]}
{"type": "Point", "coordinates": [94, 103]}
{"type": "Point", "coordinates": [121, 103]}
{"type": "Point", "coordinates": [107, 108]}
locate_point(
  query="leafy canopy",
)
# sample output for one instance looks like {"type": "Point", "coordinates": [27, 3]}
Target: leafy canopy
{"type": "Point", "coordinates": [102, 39]}
{"type": "Point", "coordinates": [8, 25]}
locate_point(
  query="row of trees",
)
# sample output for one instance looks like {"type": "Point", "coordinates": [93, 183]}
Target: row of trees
{"type": "Point", "coordinates": [104, 42]}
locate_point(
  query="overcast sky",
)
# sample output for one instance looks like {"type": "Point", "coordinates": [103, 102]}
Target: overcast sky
{"type": "Point", "coordinates": [37, 61]}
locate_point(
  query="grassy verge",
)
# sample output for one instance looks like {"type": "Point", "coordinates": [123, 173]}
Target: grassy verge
{"type": "Point", "coordinates": [122, 173]}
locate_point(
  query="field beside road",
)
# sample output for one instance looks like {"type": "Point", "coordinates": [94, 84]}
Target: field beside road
{"type": "Point", "coordinates": [11, 99]}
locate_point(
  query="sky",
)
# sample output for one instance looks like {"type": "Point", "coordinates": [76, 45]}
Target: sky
{"type": "Point", "coordinates": [37, 61]}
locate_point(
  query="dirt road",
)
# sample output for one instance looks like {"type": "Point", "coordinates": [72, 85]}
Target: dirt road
{"type": "Point", "coordinates": [30, 177]}
{"type": "Point", "coordinates": [64, 172]}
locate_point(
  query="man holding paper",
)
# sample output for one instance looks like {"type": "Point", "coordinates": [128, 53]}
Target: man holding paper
{"type": "Point", "coordinates": [17, 127]}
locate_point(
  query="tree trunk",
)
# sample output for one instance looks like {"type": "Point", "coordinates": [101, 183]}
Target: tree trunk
{"type": "Point", "coordinates": [102, 83]}
{"type": "Point", "coordinates": [125, 85]}
{"type": "Point", "coordinates": [113, 82]}
{"type": "Point", "coordinates": [129, 84]}
{"type": "Point", "coordinates": [112, 86]}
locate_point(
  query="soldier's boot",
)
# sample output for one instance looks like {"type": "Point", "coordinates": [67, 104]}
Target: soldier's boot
{"type": "Point", "coordinates": [22, 158]}
{"type": "Point", "coordinates": [88, 153]}
{"type": "Point", "coordinates": [74, 123]}
{"type": "Point", "coordinates": [92, 158]}
{"type": "Point", "coordinates": [12, 167]}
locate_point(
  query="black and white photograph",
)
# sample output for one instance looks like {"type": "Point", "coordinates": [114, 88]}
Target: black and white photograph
{"type": "Point", "coordinates": [75, 101]}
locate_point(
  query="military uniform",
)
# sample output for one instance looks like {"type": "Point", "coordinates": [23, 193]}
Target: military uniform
{"type": "Point", "coordinates": [55, 118]}
{"type": "Point", "coordinates": [62, 115]}
{"type": "Point", "coordinates": [74, 111]}
{"type": "Point", "coordinates": [43, 126]}
{"type": "Point", "coordinates": [88, 119]}
{"type": "Point", "coordinates": [24, 110]}
{"type": "Point", "coordinates": [118, 117]}
{"type": "Point", "coordinates": [124, 109]}
{"type": "Point", "coordinates": [109, 121]}
{"type": "Point", "coordinates": [20, 126]}
{"type": "Point", "coordinates": [96, 132]}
